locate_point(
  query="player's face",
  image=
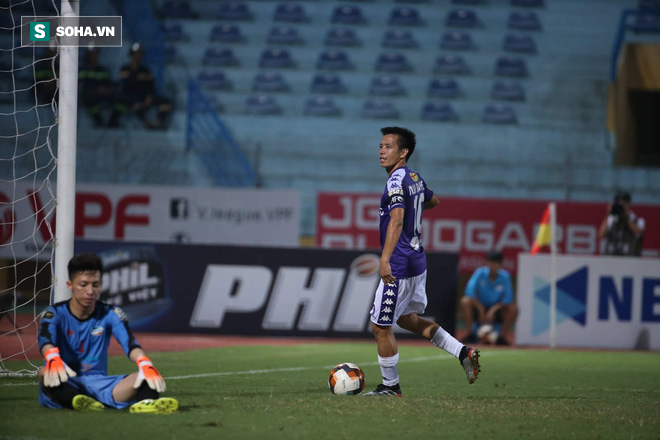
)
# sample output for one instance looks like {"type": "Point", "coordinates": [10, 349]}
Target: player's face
{"type": "Point", "coordinates": [85, 288]}
{"type": "Point", "coordinates": [494, 266]}
{"type": "Point", "coordinates": [389, 151]}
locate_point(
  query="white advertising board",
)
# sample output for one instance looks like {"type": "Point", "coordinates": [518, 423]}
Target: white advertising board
{"type": "Point", "coordinates": [605, 302]}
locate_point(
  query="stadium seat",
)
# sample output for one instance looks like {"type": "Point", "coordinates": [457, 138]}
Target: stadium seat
{"type": "Point", "coordinates": [333, 60]}
{"type": "Point", "coordinates": [290, 12]}
{"type": "Point", "coordinates": [276, 58]}
{"type": "Point", "coordinates": [375, 108]}
{"type": "Point", "coordinates": [320, 106]}
{"type": "Point", "coordinates": [412, 1]}
{"type": "Point", "coordinates": [219, 56]}
{"type": "Point", "coordinates": [214, 80]}
{"type": "Point", "coordinates": [528, 3]}
{"type": "Point", "coordinates": [521, 43]}
{"type": "Point", "coordinates": [284, 35]}
{"type": "Point", "coordinates": [524, 20]}
{"type": "Point", "coordinates": [456, 41]}
{"type": "Point", "coordinates": [405, 16]}
{"type": "Point", "coordinates": [386, 85]}
{"type": "Point", "coordinates": [344, 37]}
{"type": "Point", "coordinates": [169, 53]}
{"type": "Point", "coordinates": [399, 39]}
{"type": "Point", "coordinates": [269, 82]}
{"type": "Point", "coordinates": [499, 113]}
{"type": "Point", "coordinates": [327, 83]}
{"type": "Point", "coordinates": [236, 10]}
{"type": "Point", "coordinates": [172, 31]}
{"type": "Point", "coordinates": [451, 65]}
{"type": "Point", "coordinates": [646, 23]}
{"type": "Point", "coordinates": [176, 9]}
{"type": "Point", "coordinates": [438, 111]}
{"type": "Point", "coordinates": [464, 18]}
{"type": "Point", "coordinates": [507, 91]}
{"type": "Point", "coordinates": [510, 66]}
{"type": "Point", "coordinates": [215, 103]}
{"type": "Point", "coordinates": [445, 88]}
{"type": "Point", "coordinates": [347, 15]}
{"type": "Point", "coordinates": [392, 62]}
{"type": "Point", "coordinates": [467, 2]}
{"type": "Point", "coordinates": [262, 105]}
{"type": "Point", "coordinates": [225, 33]}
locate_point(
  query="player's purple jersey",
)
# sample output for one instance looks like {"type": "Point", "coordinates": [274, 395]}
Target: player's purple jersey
{"type": "Point", "coordinates": [405, 189]}
{"type": "Point", "coordinates": [84, 344]}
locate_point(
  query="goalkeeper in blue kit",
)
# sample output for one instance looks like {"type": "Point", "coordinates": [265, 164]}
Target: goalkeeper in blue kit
{"type": "Point", "coordinates": [74, 337]}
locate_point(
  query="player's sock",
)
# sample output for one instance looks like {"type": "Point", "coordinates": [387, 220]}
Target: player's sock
{"type": "Point", "coordinates": [464, 352]}
{"type": "Point", "coordinates": [144, 392]}
{"type": "Point", "coordinates": [447, 342]}
{"type": "Point", "coordinates": [62, 394]}
{"type": "Point", "coordinates": [389, 369]}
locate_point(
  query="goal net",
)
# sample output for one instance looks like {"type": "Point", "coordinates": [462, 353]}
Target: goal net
{"type": "Point", "coordinates": [28, 164]}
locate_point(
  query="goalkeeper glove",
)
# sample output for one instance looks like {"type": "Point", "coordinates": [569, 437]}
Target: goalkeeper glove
{"type": "Point", "coordinates": [147, 371]}
{"type": "Point", "coordinates": [57, 372]}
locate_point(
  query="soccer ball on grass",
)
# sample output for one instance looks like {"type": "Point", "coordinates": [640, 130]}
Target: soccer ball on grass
{"type": "Point", "coordinates": [346, 378]}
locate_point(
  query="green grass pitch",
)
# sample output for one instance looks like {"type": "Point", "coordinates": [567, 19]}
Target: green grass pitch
{"type": "Point", "coordinates": [273, 392]}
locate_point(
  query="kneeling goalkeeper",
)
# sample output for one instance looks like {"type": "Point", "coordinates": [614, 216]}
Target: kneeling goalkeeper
{"type": "Point", "coordinates": [74, 337]}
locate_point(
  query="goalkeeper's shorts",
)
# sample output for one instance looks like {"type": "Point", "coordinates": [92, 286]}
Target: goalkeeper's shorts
{"type": "Point", "coordinates": [98, 386]}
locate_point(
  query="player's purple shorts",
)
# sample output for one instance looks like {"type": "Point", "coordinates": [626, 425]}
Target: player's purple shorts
{"type": "Point", "coordinates": [97, 386]}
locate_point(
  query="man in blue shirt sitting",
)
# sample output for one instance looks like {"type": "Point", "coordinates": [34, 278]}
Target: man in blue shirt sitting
{"type": "Point", "coordinates": [489, 299]}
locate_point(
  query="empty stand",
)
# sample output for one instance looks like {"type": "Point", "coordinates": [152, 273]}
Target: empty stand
{"type": "Point", "coordinates": [345, 37]}
{"type": "Point", "coordinates": [320, 106]}
{"type": "Point", "coordinates": [450, 65]}
{"type": "Point", "coordinates": [333, 60]}
{"type": "Point", "coordinates": [456, 40]}
{"type": "Point", "coordinates": [376, 108]}
{"type": "Point", "coordinates": [386, 85]}
{"type": "Point", "coordinates": [226, 33]}
{"type": "Point", "coordinates": [276, 58]}
{"type": "Point", "coordinates": [348, 14]}
{"type": "Point", "coordinates": [463, 18]}
{"type": "Point", "coordinates": [327, 83]}
{"type": "Point", "coordinates": [262, 105]}
{"type": "Point", "coordinates": [405, 16]}
{"type": "Point", "coordinates": [438, 111]}
{"type": "Point", "coordinates": [286, 35]}
{"type": "Point", "coordinates": [290, 12]}
{"type": "Point", "coordinates": [444, 88]}
{"type": "Point", "coordinates": [269, 82]}
{"type": "Point", "coordinates": [399, 39]}
{"type": "Point", "coordinates": [392, 62]}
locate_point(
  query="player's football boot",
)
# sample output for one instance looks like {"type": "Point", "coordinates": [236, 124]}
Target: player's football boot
{"type": "Point", "coordinates": [384, 390]}
{"type": "Point", "coordinates": [84, 403]}
{"type": "Point", "coordinates": [163, 405]}
{"type": "Point", "coordinates": [470, 364]}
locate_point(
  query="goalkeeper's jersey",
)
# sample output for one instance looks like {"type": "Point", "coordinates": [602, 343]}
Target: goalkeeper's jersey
{"type": "Point", "coordinates": [83, 344]}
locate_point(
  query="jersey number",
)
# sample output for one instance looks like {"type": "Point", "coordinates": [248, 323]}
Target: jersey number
{"type": "Point", "coordinates": [418, 207]}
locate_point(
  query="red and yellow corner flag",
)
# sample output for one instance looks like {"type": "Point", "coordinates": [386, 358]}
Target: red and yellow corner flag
{"type": "Point", "coordinates": [543, 236]}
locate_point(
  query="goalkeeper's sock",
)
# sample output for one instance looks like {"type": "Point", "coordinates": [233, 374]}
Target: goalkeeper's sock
{"type": "Point", "coordinates": [144, 392]}
{"type": "Point", "coordinates": [62, 394]}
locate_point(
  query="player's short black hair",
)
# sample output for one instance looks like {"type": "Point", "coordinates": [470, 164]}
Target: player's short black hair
{"type": "Point", "coordinates": [406, 138]}
{"type": "Point", "coordinates": [623, 196]}
{"type": "Point", "coordinates": [84, 262]}
{"type": "Point", "coordinates": [495, 256]}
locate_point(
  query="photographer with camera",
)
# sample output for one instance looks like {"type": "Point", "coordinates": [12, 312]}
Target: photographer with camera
{"type": "Point", "coordinates": [622, 229]}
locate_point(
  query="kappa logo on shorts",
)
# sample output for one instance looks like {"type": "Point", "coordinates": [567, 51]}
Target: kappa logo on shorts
{"type": "Point", "coordinates": [97, 331]}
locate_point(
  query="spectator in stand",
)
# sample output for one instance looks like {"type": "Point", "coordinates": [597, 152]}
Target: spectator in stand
{"type": "Point", "coordinates": [96, 88]}
{"type": "Point", "coordinates": [137, 93]}
{"type": "Point", "coordinates": [622, 229]}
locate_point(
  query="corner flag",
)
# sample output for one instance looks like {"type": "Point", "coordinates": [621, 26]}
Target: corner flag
{"type": "Point", "coordinates": [544, 234]}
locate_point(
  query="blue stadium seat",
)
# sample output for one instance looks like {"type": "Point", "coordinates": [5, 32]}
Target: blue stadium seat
{"type": "Point", "coordinates": [169, 52]}
{"type": "Point", "coordinates": [276, 58]}
{"type": "Point", "coordinates": [456, 41]}
{"type": "Point", "coordinates": [225, 33]}
{"type": "Point", "coordinates": [511, 66]}
{"type": "Point", "coordinates": [392, 62]}
{"type": "Point", "coordinates": [262, 105]}
{"type": "Point", "coordinates": [320, 106]}
{"type": "Point", "coordinates": [646, 23]}
{"type": "Point", "coordinates": [467, 2]}
{"type": "Point", "coordinates": [347, 14]}
{"type": "Point", "coordinates": [528, 3]}
{"type": "Point", "coordinates": [386, 85]}
{"type": "Point", "coordinates": [176, 9]}
{"type": "Point", "coordinates": [219, 56]}
{"type": "Point", "coordinates": [499, 113]}
{"type": "Point", "coordinates": [284, 35]}
{"type": "Point", "coordinates": [236, 10]}
{"type": "Point", "coordinates": [215, 103]}
{"type": "Point", "coordinates": [445, 88]}
{"type": "Point", "coordinates": [172, 31]}
{"type": "Point", "coordinates": [269, 82]}
{"type": "Point", "coordinates": [376, 108]}
{"type": "Point", "coordinates": [333, 60]}
{"type": "Point", "coordinates": [438, 111]}
{"type": "Point", "coordinates": [327, 83]}
{"type": "Point", "coordinates": [214, 80]}
{"type": "Point", "coordinates": [521, 43]}
{"type": "Point", "coordinates": [399, 39]}
{"type": "Point", "coordinates": [524, 20]}
{"type": "Point", "coordinates": [412, 1]}
{"type": "Point", "coordinates": [290, 12]}
{"type": "Point", "coordinates": [507, 91]}
{"type": "Point", "coordinates": [343, 37]}
{"type": "Point", "coordinates": [464, 18]}
{"type": "Point", "coordinates": [450, 65]}
{"type": "Point", "coordinates": [405, 16]}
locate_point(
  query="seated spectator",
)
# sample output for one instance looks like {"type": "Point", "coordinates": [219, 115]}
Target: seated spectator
{"type": "Point", "coordinates": [96, 88]}
{"type": "Point", "coordinates": [137, 93]}
{"type": "Point", "coordinates": [488, 300]}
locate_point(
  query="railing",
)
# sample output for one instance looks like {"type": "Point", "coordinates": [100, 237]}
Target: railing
{"type": "Point", "coordinates": [621, 35]}
{"type": "Point", "coordinates": [209, 138]}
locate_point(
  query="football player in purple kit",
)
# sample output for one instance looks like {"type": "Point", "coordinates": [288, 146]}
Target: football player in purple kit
{"type": "Point", "coordinates": [401, 293]}
{"type": "Point", "coordinates": [74, 337]}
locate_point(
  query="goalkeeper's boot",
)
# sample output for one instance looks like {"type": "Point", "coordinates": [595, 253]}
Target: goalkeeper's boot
{"type": "Point", "coordinates": [469, 360]}
{"type": "Point", "coordinates": [384, 390]}
{"type": "Point", "coordinates": [84, 403]}
{"type": "Point", "coordinates": [163, 405]}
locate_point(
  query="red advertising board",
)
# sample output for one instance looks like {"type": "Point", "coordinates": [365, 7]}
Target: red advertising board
{"type": "Point", "coordinates": [472, 226]}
